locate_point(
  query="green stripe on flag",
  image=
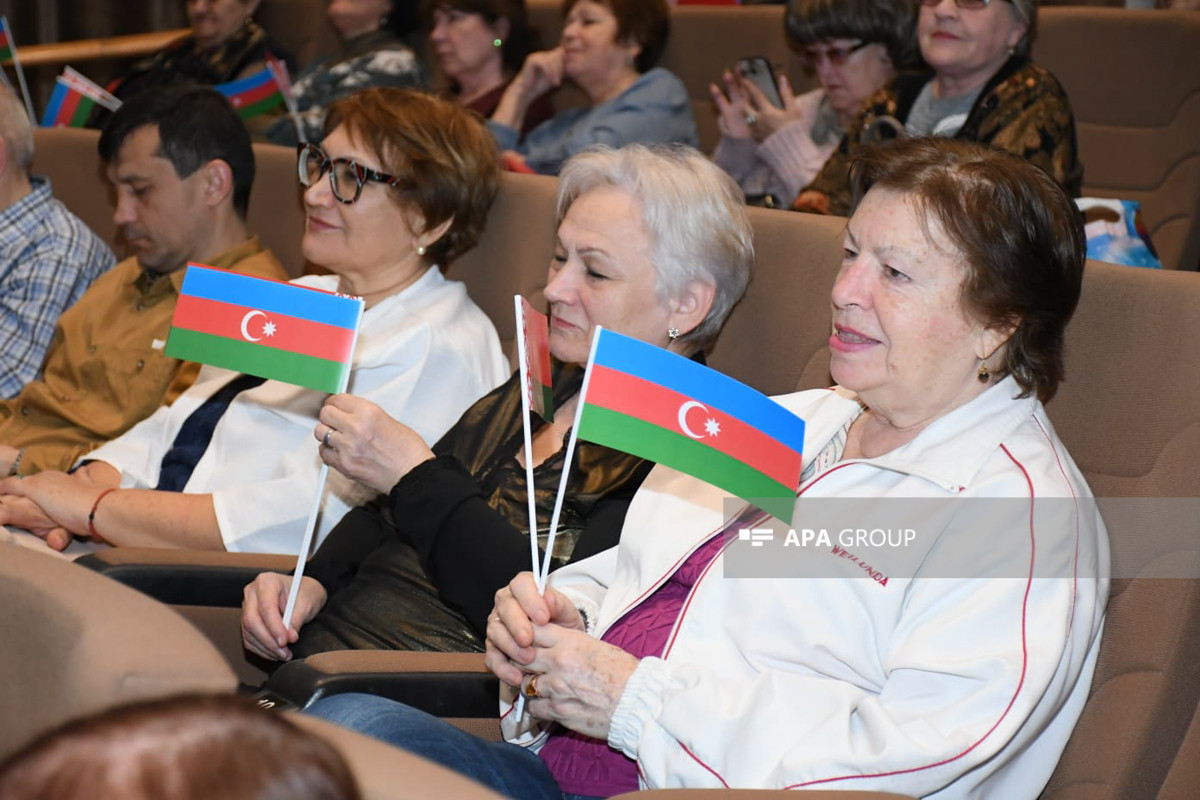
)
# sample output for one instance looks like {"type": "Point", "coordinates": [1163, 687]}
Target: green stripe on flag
{"type": "Point", "coordinates": [6, 53]}
{"type": "Point", "coordinates": [267, 362]}
{"type": "Point", "coordinates": [547, 409]}
{"type": "Point", "coordinates": [82, 112]}
{"type": "Point", "coordinates": [692, 456]}
{"type": "Point", "coordinates": [252, 110]}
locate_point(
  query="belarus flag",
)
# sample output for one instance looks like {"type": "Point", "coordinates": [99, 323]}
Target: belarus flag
{"type": "Point", "coordinates": [533, 353]}
{"type": "Point", "coordinates": [275, 330]}
{"type": "Point", "coordinates": [650, 402]}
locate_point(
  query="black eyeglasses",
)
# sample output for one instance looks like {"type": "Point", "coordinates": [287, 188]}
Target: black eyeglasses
{"type": "Point", "coordinates": [312, 162]}
{"type": "Point", "coordinates": [836, 56]}
{"type": "Point", "coordinates": [969, 5]}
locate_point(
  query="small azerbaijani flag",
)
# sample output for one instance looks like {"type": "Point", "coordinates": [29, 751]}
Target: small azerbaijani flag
{"type": "Point", "coordinates": [73, 99]}
{"type": "Point", "coordinates": [272, 329]}
{"type": "Point", "coordinates": [254, 95]}
{"type": "Point", "coordinates": [534, 354]}
{"type": "Point", "coordinates": [6, 45]}
{"type": "Point", "coordinates": [663, 407]}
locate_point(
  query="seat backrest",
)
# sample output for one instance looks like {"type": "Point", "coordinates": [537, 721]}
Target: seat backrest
{"type": "Point", "coordinates": [777, 338]}
{"type": "Point", "coordinates": [1128, 412]}
{"type": "Point", "coordinates": [384, 772]}
{"type": "Point", "coordinates": [68, 157]}
{"type": "Point", "coordinates": [1133, 77]}
{"type": "Point", "coordinates": [513, 253]}
{"type": "Point", "coordinates": [75, 642]}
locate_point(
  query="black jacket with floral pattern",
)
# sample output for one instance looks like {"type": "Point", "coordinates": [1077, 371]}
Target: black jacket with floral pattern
{"type": "Point", "coordinates": [1022, 109]}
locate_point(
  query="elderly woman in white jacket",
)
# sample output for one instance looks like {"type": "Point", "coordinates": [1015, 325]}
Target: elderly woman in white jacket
{"type": "Point", "coordinates": [953, 660]}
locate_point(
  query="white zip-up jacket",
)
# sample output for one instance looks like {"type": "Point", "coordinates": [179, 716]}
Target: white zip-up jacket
{"type": "Point", "coordinates": [955, 665]}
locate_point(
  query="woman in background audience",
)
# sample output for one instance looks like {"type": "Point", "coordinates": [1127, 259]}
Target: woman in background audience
{"type": "Point", "coordinates": [853, 47]}
{"type": "Point", "coordinates": [225, 44]}
{"type": "Point", "coordinates": [179, 748]}
{"type": "Point", "coordinates": [479, 45]}
{"type": "Point", "coordinates": [983, 87]}
{"type": "Point", "coordinates": [652, 243]}
{"type": "Point", "coordinates": [374, 53]}
{"type": "Point", "coordinates": [608, 49]}
{"type": "Point", "coordinates": [402, 182]}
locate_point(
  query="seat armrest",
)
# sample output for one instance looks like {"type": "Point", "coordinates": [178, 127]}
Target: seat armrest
{"type": "Point", "coordinates": [186, 577]}
{"type": "Point", "coordinates": [442, 684]}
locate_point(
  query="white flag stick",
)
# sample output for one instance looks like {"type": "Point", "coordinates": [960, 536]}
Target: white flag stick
{"type": "Point", "coordinates": [570, 455]}
{"type": "Point", "coordinates": [279, 71]}
{"type": "Point", "coordinates": [306, 544]}
{"type": "Point", "coordinates": [20, 74]}
{"type": "Point", "coordinates": [523, 367]}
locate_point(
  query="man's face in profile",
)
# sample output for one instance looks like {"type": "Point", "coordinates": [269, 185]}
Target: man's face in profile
{"type": "Point", "coordinates": [161, 215]}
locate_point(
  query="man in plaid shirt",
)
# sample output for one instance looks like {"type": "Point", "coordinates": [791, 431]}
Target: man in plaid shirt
{"type": "Point", "coordinates": [48, 256]}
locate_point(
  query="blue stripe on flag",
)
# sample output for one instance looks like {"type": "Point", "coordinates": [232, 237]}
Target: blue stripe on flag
{"type": "Point", "coordinates": [270, 296]}
{"type": "Point", "coordinates": [664, 368]}
{"type": "Point", "coordinates": [52, 108]}
{"type": "Point", "coordinates": [245, 84]}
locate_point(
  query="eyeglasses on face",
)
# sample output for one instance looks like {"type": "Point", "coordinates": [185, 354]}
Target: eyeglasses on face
{"type": "Point", "coordinates": [969, 5]}
{"type": "Point", "coordinates": [344, 173]}
{"type": "Point", "coordinates": [836, 56]}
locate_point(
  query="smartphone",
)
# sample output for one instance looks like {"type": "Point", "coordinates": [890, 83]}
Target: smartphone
{"type": "Point", "coordinates": [757, 70]}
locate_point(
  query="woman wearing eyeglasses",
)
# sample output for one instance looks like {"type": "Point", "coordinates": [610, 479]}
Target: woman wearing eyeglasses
{"type": "Point", "coordinates": [401, 183]}
{"type": "Point", "coordinates": [983, 87]}
{"type": "Point", "coordinates": [853, 47]}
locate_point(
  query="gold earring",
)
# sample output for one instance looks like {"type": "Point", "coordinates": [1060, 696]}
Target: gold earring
{"type": "Point", "coordinates": [983, 374]}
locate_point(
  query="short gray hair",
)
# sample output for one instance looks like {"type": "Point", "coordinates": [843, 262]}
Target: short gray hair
{"type": "Point", "coordinates": [694, 213]}
{"type": "Point", "coordinates": [1026, 11]}
{"type": "Point", "coordinates": [15, 129]}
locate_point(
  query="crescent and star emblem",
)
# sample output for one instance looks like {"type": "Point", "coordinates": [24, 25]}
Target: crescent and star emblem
{"type": "Point", "coordinates": [711, 426]}
{"type": "Point", "coordinates": [268, 328]}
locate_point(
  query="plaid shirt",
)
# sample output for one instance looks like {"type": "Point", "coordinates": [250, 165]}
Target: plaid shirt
{"type": "Point", "coordinates": [48, 257]}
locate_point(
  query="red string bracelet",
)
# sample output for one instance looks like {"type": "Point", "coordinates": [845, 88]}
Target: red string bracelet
{"type": "Point", "coordinates": [92, 517]}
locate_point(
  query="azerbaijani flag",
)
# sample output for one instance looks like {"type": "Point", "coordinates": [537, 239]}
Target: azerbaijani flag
{"type": "Point", "coordinates": [6, 45]}
{"type": "Point", "coordinates": [268, 328]}
{"type": "Point", "coordinates": [534, 354]}
{"type": "Point", "coordinates": [255, 95]}
{"type": "Point", "coordinates": [68, 107]}
{"type": "Point", "coordinates": [663, 407]}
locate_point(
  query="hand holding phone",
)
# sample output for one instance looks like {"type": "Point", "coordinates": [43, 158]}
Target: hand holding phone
{"type": "Point", "coordinates": [757, 70]}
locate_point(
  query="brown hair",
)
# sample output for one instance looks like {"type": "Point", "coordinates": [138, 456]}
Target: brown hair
{"type": "Point", "coordinates": [646, 22]}
{"type": "Point", "coordinates": [444, 156]}
{"type": "Point", "coordinates": [183, 748]}
{"type": "Point", "coordinates": [521, 38]}
{"type": "Point", "coordinates": [1020, 237]}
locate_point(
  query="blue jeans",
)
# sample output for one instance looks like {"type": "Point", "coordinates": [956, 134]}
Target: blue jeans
{"type": "Point", "coordinates": [508, 769]}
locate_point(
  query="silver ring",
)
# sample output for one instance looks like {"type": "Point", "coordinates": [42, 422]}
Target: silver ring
{"type": "Point", "coordinates": [751, 119]}
{"type": "Point", "coordinates": [325, 438]}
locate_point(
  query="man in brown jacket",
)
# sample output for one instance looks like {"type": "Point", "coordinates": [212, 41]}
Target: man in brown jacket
{"type": "Point", "coordinates": [182, 165]}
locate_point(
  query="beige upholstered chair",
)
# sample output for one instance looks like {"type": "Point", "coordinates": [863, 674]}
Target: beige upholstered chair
{"type": "Point", "coordinates": [73, 642]}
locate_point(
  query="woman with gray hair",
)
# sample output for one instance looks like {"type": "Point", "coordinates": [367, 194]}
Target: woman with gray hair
{"type": "Point", "coordinates": [653, 243]}
{"type": "Point", "coordinates": [983, 88]}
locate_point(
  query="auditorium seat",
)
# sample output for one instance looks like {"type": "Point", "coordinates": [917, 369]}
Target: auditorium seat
{"type": "Point", "coordinates": [73, 642]}
{"type": "Point", "coordinates": [1133, 77]}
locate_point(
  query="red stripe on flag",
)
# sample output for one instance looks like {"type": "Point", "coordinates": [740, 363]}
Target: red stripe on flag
{"type": "Point", "coordinates": [293, 334]}
{"type": "Point", "coordinates": [255, 94]}
{"type": "Point", "coordinates": [67, 110]}
{"type": "Point", "coordinates": [636, 397]}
